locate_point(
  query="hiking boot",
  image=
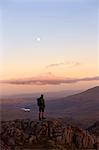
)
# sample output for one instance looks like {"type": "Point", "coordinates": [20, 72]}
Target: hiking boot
{"type": "Point", "coordinates": [39, 118]}
{"type": "Point", "coordinates": [43, 118]}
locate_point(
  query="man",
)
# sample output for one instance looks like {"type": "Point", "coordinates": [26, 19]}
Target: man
{"type": "Point", "coordinates": [41, 105]}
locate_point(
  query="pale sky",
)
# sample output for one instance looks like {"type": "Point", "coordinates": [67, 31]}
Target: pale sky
{"type": "Point", "coordinates": [49, 40]}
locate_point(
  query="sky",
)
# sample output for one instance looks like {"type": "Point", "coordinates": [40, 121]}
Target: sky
{"type": "Point", "coordinates": [48, 45]}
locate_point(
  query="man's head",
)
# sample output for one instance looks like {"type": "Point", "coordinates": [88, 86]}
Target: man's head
{"type": "Point", "coordinates": [42, 95]}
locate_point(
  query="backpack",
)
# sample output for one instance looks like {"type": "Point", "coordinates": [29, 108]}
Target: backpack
{"type": "Point", "coordinates": [38, 101]}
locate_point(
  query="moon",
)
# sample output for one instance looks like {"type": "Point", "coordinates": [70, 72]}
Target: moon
{"type": "Point", "coordinates": [38, 39]}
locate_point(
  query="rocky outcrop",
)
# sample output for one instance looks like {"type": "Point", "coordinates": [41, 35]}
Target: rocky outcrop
{"type": "Point", "coordinates": [94, 129]}
{"type": "Point", "coordinates": [46, 134]}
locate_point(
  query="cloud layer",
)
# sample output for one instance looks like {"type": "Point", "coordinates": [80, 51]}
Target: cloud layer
{"type": "Point", "coordinates": [49, 81]}
{"type": "Point", "coordinates": [68, 63]}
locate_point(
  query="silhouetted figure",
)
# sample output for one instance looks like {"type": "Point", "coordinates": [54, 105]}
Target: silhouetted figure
{"type": "Point", "coordinates": [41, 104]}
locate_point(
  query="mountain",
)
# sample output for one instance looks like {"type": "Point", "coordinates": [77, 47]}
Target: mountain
{"type": "Point", "coordinates": [90, 94]}
{"type": "Point", "coordinates": [80, 106]}
{"type": "Point", "coordinates": [46, 134]}
{"type": "Point", "coordinates": [26, 96]}
{"type": "Point", "coordinates": [76, 111]}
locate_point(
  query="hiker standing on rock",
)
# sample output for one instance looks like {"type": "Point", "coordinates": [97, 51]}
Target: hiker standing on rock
{"type": "Point", "coordinates": [41, 105]}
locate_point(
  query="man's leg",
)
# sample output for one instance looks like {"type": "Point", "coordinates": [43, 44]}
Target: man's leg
{"type": "Point", "coordinates": [39, 113]}
{"type": "Point", "coordinates": [43, 113]}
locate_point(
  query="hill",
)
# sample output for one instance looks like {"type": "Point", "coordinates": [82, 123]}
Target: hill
{"type": "Point", "coordinates": [84, 105]}
{"type": "Point", "coordinates": [90, 94]}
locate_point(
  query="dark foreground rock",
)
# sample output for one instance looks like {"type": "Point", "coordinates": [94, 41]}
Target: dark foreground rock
{"type": "Point", "coordinates": [43, 135]}
{"type": "Point", "coordinates": [94, 129]}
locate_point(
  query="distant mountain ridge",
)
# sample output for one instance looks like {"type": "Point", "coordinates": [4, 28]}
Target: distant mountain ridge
{"type": "Point", "coordinates": [48, 95]}
{"type": "Point", "coordinates": [92, 93]}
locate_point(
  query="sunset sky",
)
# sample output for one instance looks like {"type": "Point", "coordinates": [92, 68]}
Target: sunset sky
{"type": "Point", "coordinates": [54, 40]}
